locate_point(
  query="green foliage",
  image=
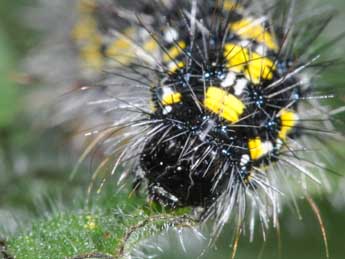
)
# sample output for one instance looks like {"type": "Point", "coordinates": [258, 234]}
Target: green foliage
{"type": "Point", "coordinates": [111, 228]}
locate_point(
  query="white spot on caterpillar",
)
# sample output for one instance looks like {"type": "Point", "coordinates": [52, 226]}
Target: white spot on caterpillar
{"type": "Point", "coordinates": [172, 66]}
{"type": "Point", "coordinates": [261, 50]}
{"type": "Point", "coordinates": [170, 35]}
{"type": "Point", "coordinates": [245, 43]}
{"type": "Point", "coordinates": [244, 160]}
{"type": "Point", "coordinates": [210, 126]}
{"type": "Point", "coordinates": [240, 86]}
{"type": "Point", "coordinates": [167, 109]}
{"type": "Point", "coordinates": [166, 91]}
{"type": "Point", "coordinates": [267, 147]}
{"type": "Point", "coordinates": [229, 80]}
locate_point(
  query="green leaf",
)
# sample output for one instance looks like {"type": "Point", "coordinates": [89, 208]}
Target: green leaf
{"type": "Point", "coordinates": [110, 229]}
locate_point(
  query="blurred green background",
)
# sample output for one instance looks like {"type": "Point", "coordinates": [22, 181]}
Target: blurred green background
{"type": "Point", "coordinates": [35, 164]}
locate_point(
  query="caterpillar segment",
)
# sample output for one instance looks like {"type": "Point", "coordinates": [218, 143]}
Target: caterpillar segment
{"type": "Point", "coordinates": [223, 104]}
{"type": "Point", "coordinates": [253, 30]}
{"type": "Point", "coordinates": [252, 65]}
{"type": "Point", "coordinates": [171, 98]}
{"type": "Point", "coordinates": [289, 120]}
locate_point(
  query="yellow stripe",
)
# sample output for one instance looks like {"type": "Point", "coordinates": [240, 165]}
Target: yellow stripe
{"type": "Point", "coordinates": [172, 98]}
{"type": "Point", "coordinates": [174, 51]}
{"type": "Point", "coordinates": [254, 66]}
{"type": "Point", "coordinates": [91, 55]}
{"type": "Point", "coordinates": [230, 5]}
{"type": "Point", "coordinates": [288, 121]}
{"type": "Point", "coordinates": [247, 29]}
{"type": "Point", "coordinates": [256, 149]}
{"type": "Point", "coordinates": [224, 104]}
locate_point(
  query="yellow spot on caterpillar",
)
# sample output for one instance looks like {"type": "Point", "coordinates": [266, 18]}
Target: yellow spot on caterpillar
{"type": "Point", "coordinates": [254, 66]}
{"type": "Point", "coordinates": [256, 148]}
{"type": "Point", "coordinates": [117, 46]}
{"type": "Point", "coordinates": [224, 104]}
{"type": "Point", "coordinates": [174, 66]}
{"type": "Point", "coordinates": [171, 98]}
{"type": "Point", "coordinates": [230, 5]}
{"type": "Point", "coordinates": [150, 46]}
{"type": "Point", "coordinates": [86, 34]}
{"type": "Point", "coordinates": [174, 51]}
{"type": "Point", "coordinates": [288, 121]}
{"type": "Point", "coordinates": [249, 29]}
{"type": "Point", "coordinates": [84, 29]}
{"type": "Point", "coordinates": [121, 50]}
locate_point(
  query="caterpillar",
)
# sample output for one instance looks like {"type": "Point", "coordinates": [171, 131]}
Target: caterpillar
{"type": "Point", "coordinates": [213, 104]}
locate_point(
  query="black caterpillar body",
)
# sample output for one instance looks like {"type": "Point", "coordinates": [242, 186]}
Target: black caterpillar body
{"type": "Point", "coordinates": [190, 163]}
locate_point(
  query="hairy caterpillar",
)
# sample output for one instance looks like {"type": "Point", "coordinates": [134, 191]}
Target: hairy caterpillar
{"type": "Point", "coordinates": [213, 101]}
